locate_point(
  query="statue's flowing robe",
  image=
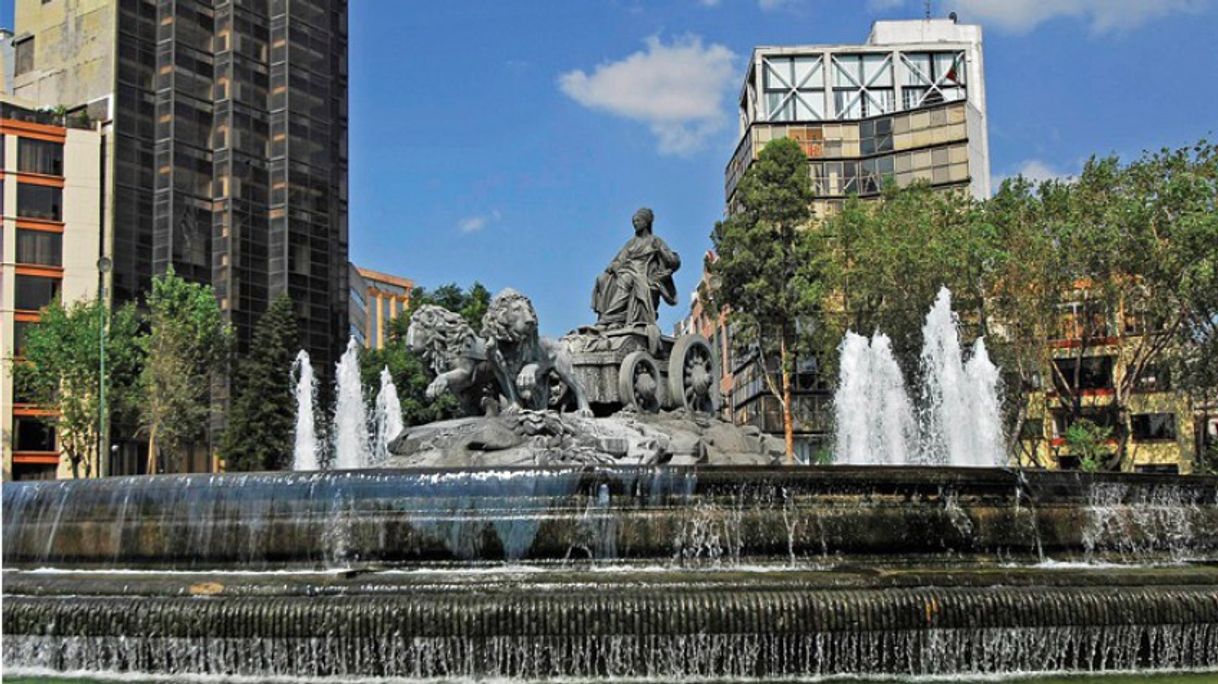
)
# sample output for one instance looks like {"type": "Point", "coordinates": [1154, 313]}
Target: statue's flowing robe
{"type": "Point", "coordinates": [628, 292]}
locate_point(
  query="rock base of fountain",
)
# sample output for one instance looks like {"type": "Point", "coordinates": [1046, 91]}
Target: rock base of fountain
{"type": "Point", "coordinates": [545, 438]}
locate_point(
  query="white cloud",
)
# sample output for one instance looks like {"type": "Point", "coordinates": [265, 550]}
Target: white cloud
{"type": "Point", "coordinates": [1104, 16]}
{"type": "Point", "coordinates": [709, 3]}
{"type": "Point", "coordinates": [1035, 171]}
{"type": "Point", "coordinates": [473, 224]}
{"type": "Point", "coordinates": [676, 89]}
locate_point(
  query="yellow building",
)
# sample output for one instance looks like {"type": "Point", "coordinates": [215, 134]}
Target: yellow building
{"type": "Point", "coordinates": [51, 188]}
{"type": "Point", "coordinates": [376, 299]}
{"type": "Point", "coordinates": [1092, 352]}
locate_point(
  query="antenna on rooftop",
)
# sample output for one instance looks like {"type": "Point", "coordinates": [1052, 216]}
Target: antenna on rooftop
{"type": "Point", "coordinates": [926, 8]}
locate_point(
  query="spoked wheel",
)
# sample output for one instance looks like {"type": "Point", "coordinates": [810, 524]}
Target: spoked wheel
{"type": "Point", "coordinates": [693, 377]}
{"type": "Point", "coordinates": [638, 382]}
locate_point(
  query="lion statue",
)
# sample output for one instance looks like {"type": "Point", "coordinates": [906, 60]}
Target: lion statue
{"type": "Point", "coordinates": [509, 329]}
{"type": "Point", "coordinates": [451, 350]}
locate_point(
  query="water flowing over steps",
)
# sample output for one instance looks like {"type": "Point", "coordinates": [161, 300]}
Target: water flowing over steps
{"type": "Point", "coordinates": [620, 622]}
{"type": "Point", "coordinates": [660, 572]}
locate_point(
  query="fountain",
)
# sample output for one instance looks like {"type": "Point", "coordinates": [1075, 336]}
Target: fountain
{"type": "Point", "coordinates": [350, 414]}
{"type": "Point", "coordinates": [873, 413]}
{"type": "Point", "coordinates": [304, 453]}
{"type": "Point", "coordinates": [958, 422]}
{"type": "Point", "coordinates": [388, 414]}
{"type": "Point", "coordinates": [631, 544]}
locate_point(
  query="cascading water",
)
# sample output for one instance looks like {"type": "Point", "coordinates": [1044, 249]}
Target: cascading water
{"type": "Point", "coordinates": [960, 421]}
{"type": "Point", "coordinates": [388, 417]}
{"type": "Point", "coordinates": [304, 454]}
{"type": "Point", "coordinates": [874, 416]}
{"type": "Point", "coordinates": [959, 418]}
{"type": "Point", "coordinates": [350, 415]}
{"type": "Point", "coordinates": [984, 384]}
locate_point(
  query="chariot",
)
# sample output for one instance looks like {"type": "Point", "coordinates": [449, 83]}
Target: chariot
{"type": "Point", "coordinates": [640, 369]}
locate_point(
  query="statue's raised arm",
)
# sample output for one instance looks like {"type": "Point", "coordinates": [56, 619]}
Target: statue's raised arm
{"type": "Point", "coordinates": [629, 291]}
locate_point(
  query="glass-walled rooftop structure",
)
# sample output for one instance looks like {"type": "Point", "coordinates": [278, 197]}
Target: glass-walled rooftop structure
{"type": "Point", "coordinates": [909, 104]}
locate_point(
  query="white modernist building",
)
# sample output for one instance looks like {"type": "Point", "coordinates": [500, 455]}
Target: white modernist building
{"type": "Point", "coordinates": [908, 104]}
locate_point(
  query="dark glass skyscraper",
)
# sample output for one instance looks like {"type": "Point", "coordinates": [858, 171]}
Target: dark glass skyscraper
{"type": "Point", "coordinates": [229, 122]}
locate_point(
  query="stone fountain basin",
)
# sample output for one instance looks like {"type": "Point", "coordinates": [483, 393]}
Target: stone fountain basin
{"type": "Point", "coordinates": [674, 515]}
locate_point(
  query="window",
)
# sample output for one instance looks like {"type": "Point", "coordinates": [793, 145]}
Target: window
{"type": "Point", "coordinates": [1093, 372]}
{"type": "Point", "coordinates": [20, 330]}
{"type": "Point", "coordinates": [862, 85]}
{"type": "Point", "coordinates": [39, 202]}
{"type": "Point", "coordinates": [39, 156]}
{"type": "Point", "coordinates": [23, 60]}
{"type": "Point", "coordinates": [39, 248]}
{"type": "Point", "coordinates": [1154, 427]}
{"type": "Point", "coordinates": [1103, 417]}
{"type": "Point", "coordinates": [34, 292]}
{"type": "Point", "coordinates": [1033, 429]}
{"type": "Point", "coordinates": [32, 435]}
{"type": "Point", "coordinates": [932, 77]}
{"type": "Point", "coordinates": [794, 88]}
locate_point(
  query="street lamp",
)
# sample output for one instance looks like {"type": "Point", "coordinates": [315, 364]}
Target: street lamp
{"type": "Point", "coordinates": [103, 432]}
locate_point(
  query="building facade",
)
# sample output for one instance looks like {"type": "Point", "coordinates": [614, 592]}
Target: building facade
{"type": "Point", "coordinates": [1090, 356]}
{"type": "Point", "coordinates": [376, 299]}
{"type": "Point", "coordinates": [51, 191]}
{"type": "Point", "coordinates": [907, 105]}
{"type": "Point", "coordinates": [229, 145]}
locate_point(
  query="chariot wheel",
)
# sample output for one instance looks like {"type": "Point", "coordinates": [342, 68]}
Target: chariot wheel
{"type": "Point", "coordinates": [693, 377]}
{"type": "Point", "coordinates": [638, 382]}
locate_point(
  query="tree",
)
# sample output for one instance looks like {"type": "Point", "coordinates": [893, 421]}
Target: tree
{"type": "Point", "coordinates": [768, 271]}
{"type": "Point", "coordinates": [409, 374]}
{"type": "Point", "coordinates": [888, 260]}
{"type": "Point", "coordinates": [61, 373]}
{"type": "Point", "coordinates": [187, 341]}
{"type": "Point", "coordinates": [262, 417]}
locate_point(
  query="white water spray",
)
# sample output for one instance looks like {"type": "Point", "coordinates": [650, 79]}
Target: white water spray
{"type": "Point", "coordinates": [875, 420]}
{"type": "Point", "coordinates": [388, 417]}
{"type": "Point", "coordinates": [350, 415]}
{"type": "Point", "coordinates": [304, 453]}
{"type": "Point", "coordinates": [959, 416]}
{"type": "Point", "coordinates": [945, 416]}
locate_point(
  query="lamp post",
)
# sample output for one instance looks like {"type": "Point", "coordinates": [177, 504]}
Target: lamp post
{"type": "Point", "coordinates": [103, 428]}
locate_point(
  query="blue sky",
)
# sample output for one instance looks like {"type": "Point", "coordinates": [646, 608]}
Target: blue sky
{"type": "Point", "coordinates": [510, 142]}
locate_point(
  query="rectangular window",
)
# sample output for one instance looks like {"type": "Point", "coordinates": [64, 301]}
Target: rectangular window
{"type": "Point", "coordinates": [1090, 373]}
{"type": "Point", "coordinates": [32, 435]}
{"type": "Point", "coordinates": [23, 59]}
{"type": "Point", "coordinates": [39, 202]}
{"type": "Point", "coordinates": [20, 330]}
{"type": "Point", "coordinates": [39, 248]}
{"type": "Point", "coordinates": [39, 156]}
{"type": "Point", "coordinates": [1154, 427]}
{"type": "Point", "coordinates": [34, 292]}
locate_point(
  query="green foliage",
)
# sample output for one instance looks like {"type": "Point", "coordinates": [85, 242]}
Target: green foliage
{"type": "Point", "coordinates": [409, 374]}
{"type": "Point", "coordinates": [262, 416]}
{"type": "Point", "coordinates": [61, 373]}
{"type": "Point", "coordinates": [768, 272]}
{"type": "Point", "coordinates": [187, 342]}
{"type": "Point", "coordinates": [1088, 442]}
{"type": "Point", "coordinates": [889, 259]}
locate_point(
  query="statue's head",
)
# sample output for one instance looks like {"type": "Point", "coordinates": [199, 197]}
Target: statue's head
{"type": "Point", "coordinates": [435, 333]}
{"type": "Point", "coordinates": [510, 317]}
{"type": "Point", "coordinates": [642, 221]}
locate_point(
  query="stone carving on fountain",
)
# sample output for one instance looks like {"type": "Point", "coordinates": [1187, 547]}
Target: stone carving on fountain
{"type": "Point", "coordinates": [617, 391]}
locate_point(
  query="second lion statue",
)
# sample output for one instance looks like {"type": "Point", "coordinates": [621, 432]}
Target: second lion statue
{"type": "Point", "coordinates": [514, 346]}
